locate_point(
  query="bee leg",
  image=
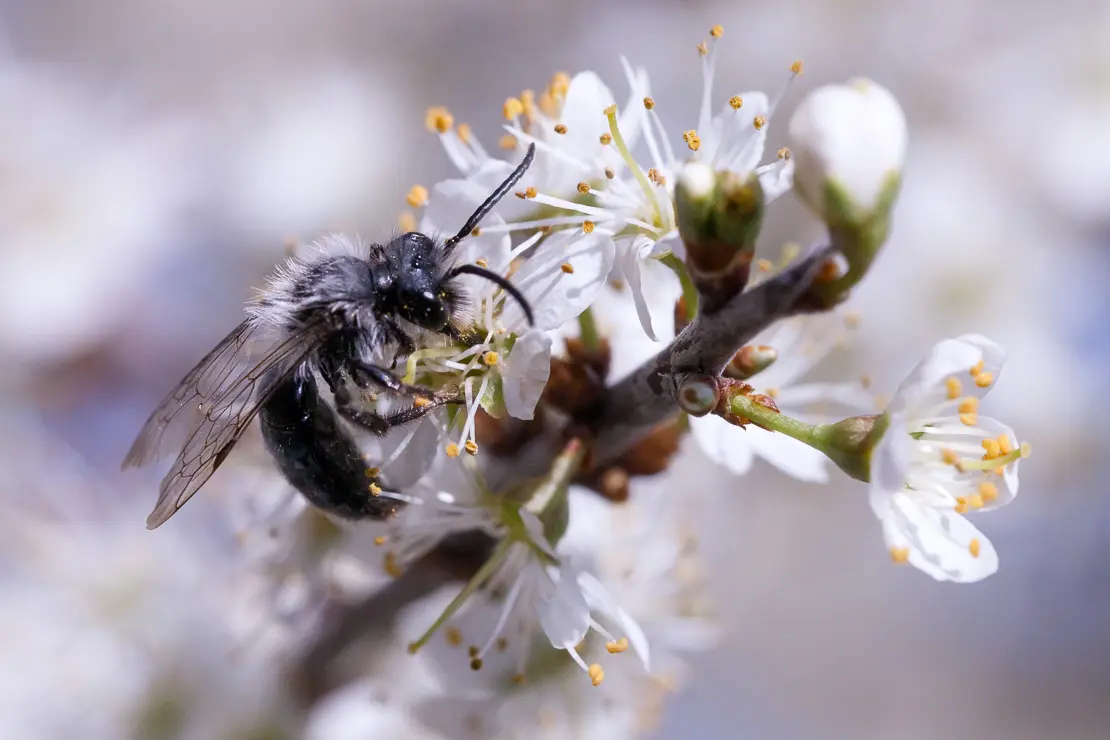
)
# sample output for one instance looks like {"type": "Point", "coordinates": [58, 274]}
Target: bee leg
{"type": "Point", "coordinates": [380, 424]}
{"type": "Point", "coordinates": [405, 343]}
{"type": "Point", "coordinates": [365, 375]}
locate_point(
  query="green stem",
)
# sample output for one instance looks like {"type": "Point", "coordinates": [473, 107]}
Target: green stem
{"type": "Point", "coordinates": [689, 291]}
{"type": "Point", "coordinates": [484, 573]}
{"type": "Point", "coordinates": [587, 329]}
{"type": "Point", "coordinates": [776, 421]}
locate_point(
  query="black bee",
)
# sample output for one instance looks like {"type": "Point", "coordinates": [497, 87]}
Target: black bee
{"type": "Point", "coordinates": [336, 315]}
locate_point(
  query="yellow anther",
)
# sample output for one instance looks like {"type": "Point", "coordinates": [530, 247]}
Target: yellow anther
{"type": "Point", "coordinates": [763, 265]}
{"type": "Point", "coordinates": [508, 141]}
{"type": "Point", "coordinates": [463, 130]}
{"type": "Point", "coordinates": [736, 102]}
{"type": "Point", "coordinates": [567, 267]}
{"type": "Point", "coordinates": [796, 67]}
{"type": "Point", "coordinates": [975, 501]}
{"type": "Point", "coordinates": [609, 173]}
{"type": "Point", "coordinates": [1004, 444]}
{"type": "Point", "coordinates": [471, 447]}
{"type": "Point", "coordinates": [969, 405]}
{"type": "Point", "coordinates": [716, 31]}
{"type": "Point", "coordinates": [773, 392]}
{"type": "Point", "coordinates": [955, 388]}
{"type": "Point", "coordinates": [452, 449]}
{"type": "Point", "coordinates": [973, 547]}
{"type": "Point", "coordinates": [482, 262]}
{"type": "Point", "coordinates": [692, 139]}
{"type": "Point", "coordinates": [653, 175]}
{"type": "Point", "coordinates": [587, 227]}
{"type": "Point", "coordinates": [649, 103]}
{"type": "Point", "coordinates": [961, 505]}
{"type": "Point", "coordinates": [597, 675]}
{"type": "Point", "coordinates": [783, 153]}
{"type": "Point", "coordinates": [560, 128]}
{"type": "Point", "coordinates": [476, 231]}
{"type": "Point", "coordinates": [373, 472]}
{"type": "Point", "coordinates": [529, 192]}
{"type": "Point", "coordinates": [375, 489]}
{"type": "Point", "coordinates": [606, 139]}
{"type": "Point", "coordinates": [976, 368]}
{"type": "Point", "coordinates": [899, 554]}
{"type": "Point", "coordinates": [379, 540]}
{"type": "Point", "coordinates": [528, 100]}
{"type": "Point", "coordinates": [583, 188]}
{"type": "Point", "coordinates": [988, 491]}
{"type": "Point", "coordinates": [417, 196]}
{"type": "Point", "coordinates": [984, 379]}
{"type": "Point", "coordinates": [512, 108]}
{"type": "Point", "coordinates": [1026, 449]}
{"type": "Point", "coordinates": [703, 48]}
{"type": "Point", "coordinates": [865, 382]}
{"type": "Point", "coordinates": [454, 636]}
{"type": "Point", "coordinates": [473, 651]}
{"type": "Point", "coordinates": [491, 358]}
{"type": "Point", "coordinates": [617, 647]}
{"type": "Point", "coordinates": [438, 119]}
{"type": "Point", "coordinates": [518, 679]}
{"type": "Point", "coordinates": [391, 566]}
{"type": "Point", "coordinates": [421, 402]}
{"type": "Point", "coordinates": [992, 448]}
{"type": "Point", "coordinates": [560, 83]}
{"type": "Point", "coordinates": [475, 664]}
{"type": "Point", "coordinates": [949, 457]}
{"type": "Point", "coordinates": [759, 122]}
{"type": "Point", "coordinates": [999, 471]}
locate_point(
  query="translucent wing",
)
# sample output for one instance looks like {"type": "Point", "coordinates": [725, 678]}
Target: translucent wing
{"type": "Point", "coordinates": [212, 406]}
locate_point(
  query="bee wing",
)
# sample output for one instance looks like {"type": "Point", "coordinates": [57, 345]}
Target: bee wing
{"type": "Point", "coordinates": [214, 404]}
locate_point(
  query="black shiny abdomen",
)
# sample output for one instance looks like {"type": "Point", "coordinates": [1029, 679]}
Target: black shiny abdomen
{"type": "Point", "coordinates": [315, 453]}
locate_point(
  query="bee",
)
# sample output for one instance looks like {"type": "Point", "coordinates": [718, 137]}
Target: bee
{"type": "Point", "coordinates": [334, 315]}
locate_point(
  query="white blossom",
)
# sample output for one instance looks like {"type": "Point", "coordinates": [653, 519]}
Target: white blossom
{"type": "Point", "coordinates": [939, 459]}
{"type": "Point", "coordinates": [851, 136]}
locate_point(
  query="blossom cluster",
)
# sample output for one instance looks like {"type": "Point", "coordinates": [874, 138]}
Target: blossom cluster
{"type": "Point", "coordinates": [572, 576]}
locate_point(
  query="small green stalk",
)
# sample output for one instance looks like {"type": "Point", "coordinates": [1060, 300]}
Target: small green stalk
{"type": "Point", "coordinates": [587, 330]}
{"type": "Point", "coordinates": [689, 290]}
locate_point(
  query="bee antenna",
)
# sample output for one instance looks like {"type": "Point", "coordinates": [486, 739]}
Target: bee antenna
{"type": "Point", "coordinates": [493, 277]}
{"type": "Point", "coordinates": [492, 200]}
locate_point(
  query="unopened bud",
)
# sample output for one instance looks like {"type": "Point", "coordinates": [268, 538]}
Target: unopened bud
{"type": "Point", "coordinates": [849, 147]}
{"type": "Point", "coordinates": [719, 215]}
{"type": "Point", "coordinates": [750, 360]}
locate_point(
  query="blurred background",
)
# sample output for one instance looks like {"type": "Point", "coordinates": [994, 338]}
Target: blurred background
{"type": "Point", "coordinates": [157, 155]}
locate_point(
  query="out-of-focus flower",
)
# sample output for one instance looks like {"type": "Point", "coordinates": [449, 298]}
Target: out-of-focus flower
{"type": "Point", "coordinates": [849, 144]}
{"type": "Point", "coordinates": [939, 459]}
{"type": "Point", "coordinates": [89, 201]}
{"type": "Point", "coordinates": [798, 345]}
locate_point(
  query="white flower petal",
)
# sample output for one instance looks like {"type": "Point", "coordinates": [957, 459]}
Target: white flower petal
{"type": "Point", "coordinates": [776, 181]}
{"type": "Point", "coordinates": [723, 443]}
{"type": "Point", "coordinates": [406, 466]}
{"type": "Point", "coordinates": [941, 543]}
{"type": "Point", "coordinates": [890, 463]}
{"type": "Point", "coordinates": [563, 613]}
{"type": "Point", "coordinates": [654, 287]}
{"type": "Point", "coordinates": [820, 403]}
{"type": "Point", "coordinates": [600, 600]}
{"type": "Point", "coordinates": [557, 296]}
{"type": "Point", "coordinates": [525, 373]}
{"type": "Point", "coordinates": [796, 459]}
{"type": "Point", "coordinates": [925, 385]}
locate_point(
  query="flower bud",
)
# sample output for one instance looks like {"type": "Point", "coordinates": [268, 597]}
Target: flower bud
{"type": "Point", "coordinates": [719, 215]}
{"type": "Point", "coordinates": [750, 360]}
{"type": "Point", "coordinates": [849, 146]}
